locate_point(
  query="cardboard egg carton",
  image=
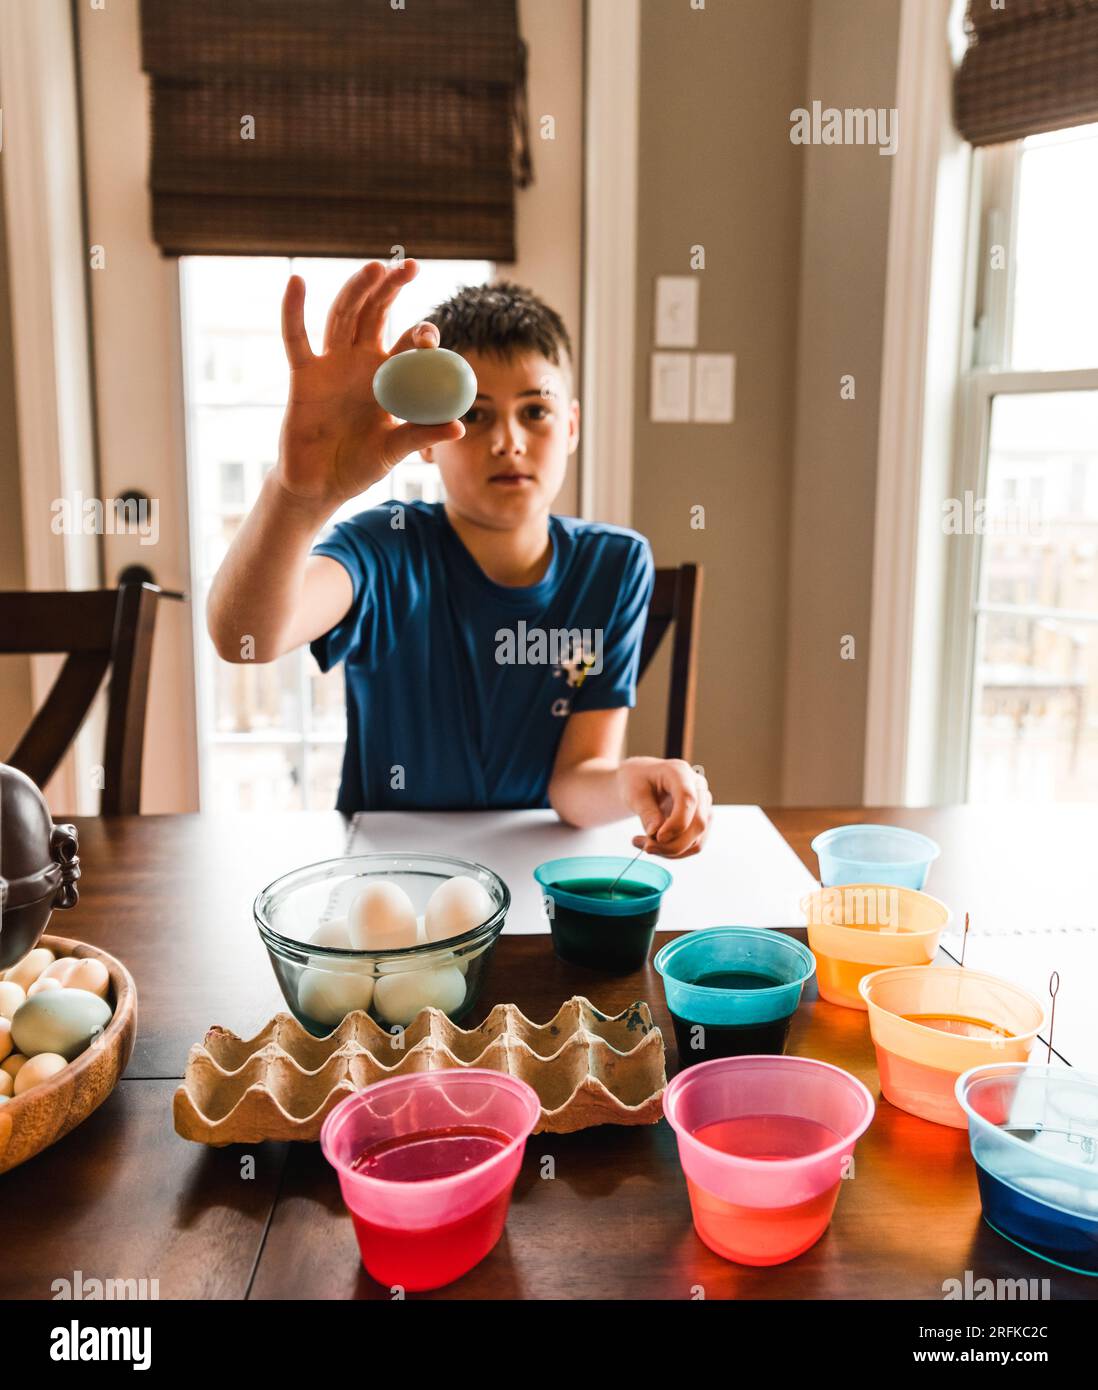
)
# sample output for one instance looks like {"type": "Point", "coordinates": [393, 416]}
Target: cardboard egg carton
{"type": "Point", "coordinates": [587, 1069]}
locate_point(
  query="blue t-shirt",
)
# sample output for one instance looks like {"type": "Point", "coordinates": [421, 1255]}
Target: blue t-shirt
{"type": "Point", "coordinates": [458, 688]}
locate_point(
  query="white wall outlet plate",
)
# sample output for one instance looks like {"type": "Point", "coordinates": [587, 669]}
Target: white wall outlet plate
{"type": "Point", "coordinates": [670, 397]}
{"type": "Point", "coordinates": [714, 387]}
{"type": "Point", "coordinates": [677, 311]}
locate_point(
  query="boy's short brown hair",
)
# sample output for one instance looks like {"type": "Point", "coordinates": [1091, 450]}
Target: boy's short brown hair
{"type": "Point", "coordinates": [502, 320]}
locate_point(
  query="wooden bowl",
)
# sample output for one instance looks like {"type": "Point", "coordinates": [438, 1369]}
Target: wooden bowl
{"type": "Point", "coordinates": [33, 1121]}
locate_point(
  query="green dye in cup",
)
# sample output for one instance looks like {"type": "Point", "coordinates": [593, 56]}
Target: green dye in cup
{"type": "Point", "coordinates": [621, 942]}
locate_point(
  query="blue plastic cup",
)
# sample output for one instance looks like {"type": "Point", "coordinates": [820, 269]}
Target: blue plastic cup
{"type": "Point", "coordinates": [598, 919]}
{"type": "Point", "coordinates": [733, 991]}
{"type": "Point", "coordinates": [874, 854]}
{"type": "Point", "coordinates": [1033, 1131]}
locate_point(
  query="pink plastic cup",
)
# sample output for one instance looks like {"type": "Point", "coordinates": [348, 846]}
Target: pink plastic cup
{"type": "Point", "coordinates": [764, 1143]}
{"type": "Point", "coordinates": [428, 1231]}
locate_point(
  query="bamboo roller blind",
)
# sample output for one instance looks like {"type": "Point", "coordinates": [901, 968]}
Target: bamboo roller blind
{"type": "Point", "coordinates": [1030, 66]}
{"type": "Point", "coordinates": [373, 127]}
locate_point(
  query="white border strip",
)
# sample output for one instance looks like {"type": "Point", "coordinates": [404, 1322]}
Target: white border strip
{"type": "Point", "coordinates": [610, 259]}
{"type": "Point", "coordinates": [922, 74]}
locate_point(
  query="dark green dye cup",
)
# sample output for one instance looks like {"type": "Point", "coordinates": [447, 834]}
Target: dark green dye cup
{"type": "Point", "coordinates": [596, 922]}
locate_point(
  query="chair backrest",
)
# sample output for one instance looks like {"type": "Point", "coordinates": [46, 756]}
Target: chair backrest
{"type": "Point", "coordinates": [676, 601]}
{"type": "Point", "coordinates": [98, 628]}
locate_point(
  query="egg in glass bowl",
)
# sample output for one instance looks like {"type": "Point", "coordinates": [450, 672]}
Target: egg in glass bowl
{"type": "Point", "coordinates": [390, 934]}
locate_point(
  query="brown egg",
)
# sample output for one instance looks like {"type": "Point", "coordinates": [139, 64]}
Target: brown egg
{"type": "Point", "coordinates": [86, 974]}
{"type": "Point", "coordinates": [12, 1064]}
{"type": "Point", "coordinates": [25, 972]}
{"type": "Point", "coordinates": [38, 1069]}
{"type": "Point", "coordinates": [11, 996]}
{"type": "Point", "coordinates": [7, 1083]}
{"type": "Point", "coordinates": [41, 986]}
{"type": "Point", "coordinates": [6, 1043]}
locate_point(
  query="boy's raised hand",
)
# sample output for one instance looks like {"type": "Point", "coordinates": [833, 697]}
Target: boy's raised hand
{"type": "Point", "coordinates": [673, 801]}
{"type": "Point", "coordinates": [336, 440]}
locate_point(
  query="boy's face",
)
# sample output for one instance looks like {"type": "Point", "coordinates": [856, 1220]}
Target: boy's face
{"type": "Point", "coordinates": [519, 434]}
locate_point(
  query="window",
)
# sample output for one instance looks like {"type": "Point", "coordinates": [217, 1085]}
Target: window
{"type": "Point", "coordinates": [1024, 693]}
{"type": "Point", "coordinates": [270, 736]}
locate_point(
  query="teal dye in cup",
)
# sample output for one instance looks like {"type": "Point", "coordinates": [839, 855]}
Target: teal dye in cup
{"type": "Point", "coordinates": [702, 1042]}
{"type": "Point", "coordinates": [601, 942]}
{"type": "Point", "coordinates": [598, 919]}
{"type": "Point", "coordinates": [732, 991]}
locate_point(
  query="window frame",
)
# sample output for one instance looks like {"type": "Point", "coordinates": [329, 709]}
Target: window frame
{"type": "Point", "coordinates": [994, 221]}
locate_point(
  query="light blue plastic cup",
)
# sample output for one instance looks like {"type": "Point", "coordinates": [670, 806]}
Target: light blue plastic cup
{"type": "Point", "coordinates": [874, 854]}
{"type": "Point", "coordinates": [1033, 1131]}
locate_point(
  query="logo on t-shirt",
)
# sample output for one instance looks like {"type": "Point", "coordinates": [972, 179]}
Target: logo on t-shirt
{"type": "Point", "coordinates": [574, 654]}
{"type": "Point", "coordinates": [575, 669]}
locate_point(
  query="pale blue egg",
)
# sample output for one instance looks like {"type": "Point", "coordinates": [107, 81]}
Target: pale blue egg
{"type": "Point", "coordinates": [426, 386]}
{"type": "Point", "coordinates": [59, 1020]}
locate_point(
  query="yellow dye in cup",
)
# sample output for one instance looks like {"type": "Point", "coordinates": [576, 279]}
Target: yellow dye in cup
{"type": "Point", "coordinates": [959, 1025]}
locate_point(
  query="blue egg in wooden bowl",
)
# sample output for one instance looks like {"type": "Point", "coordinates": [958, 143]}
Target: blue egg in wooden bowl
{"type": "Point", "coordinates": [37, 1117]}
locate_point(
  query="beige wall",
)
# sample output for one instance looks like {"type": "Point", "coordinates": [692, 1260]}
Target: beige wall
{"type": "Point", "coordinates": [717, 168]}
{"type": "Point", "coordinates": [795, 239]}
{"type": "Point", "coordinates": [15, 683]}
{"type": "Point", "coordinates": [842, 278]}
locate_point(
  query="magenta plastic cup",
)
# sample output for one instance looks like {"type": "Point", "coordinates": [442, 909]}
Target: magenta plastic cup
{"type": "Point", "coordinates": [426, 1165]}
{"type": "Point", "coordinates": [764, 1143]}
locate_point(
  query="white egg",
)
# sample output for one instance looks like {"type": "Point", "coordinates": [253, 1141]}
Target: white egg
{"type": "Point", "coordinates": [6, 1043]}
{"type": "Point", "coordinates": [333, 933]}
{"type": "Point", "coordinates": [26, 971]}
{"type": "Point", "coordinates": [329, 996]}
{"type": "Point", "coordinates": [38, 1069]}
{"type": "Point", "coordinates": [11, 996]}
{"type": "Point", "coordinates": [457, 906]}
{"type": "Point", "coordinates": [398, 998]}
{"type": "Point", "coordinates": [7, 1083]}
{"type": "Point", "coordinates": [403, 965]}
{"type": "Point", "coordinates": [382, 918]}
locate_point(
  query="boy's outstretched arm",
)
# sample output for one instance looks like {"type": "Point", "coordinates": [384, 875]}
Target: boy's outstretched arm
{"type": "Point", "coordinates": [269, 594]}
{"type": "Point", "coordinates": [592, 785]}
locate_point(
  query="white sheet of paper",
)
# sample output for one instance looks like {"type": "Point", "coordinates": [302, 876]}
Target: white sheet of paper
{"type": "Point", "coordinates": [746, 875]}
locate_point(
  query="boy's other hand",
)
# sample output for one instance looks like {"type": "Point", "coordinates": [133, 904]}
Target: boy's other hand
{"type": "Point", "coordinates": [336, 440]}
{"type": "Point", "coordinates": [673, 802]}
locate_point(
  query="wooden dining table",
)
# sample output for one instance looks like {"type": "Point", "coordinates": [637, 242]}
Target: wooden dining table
{"type": "Point", "coordinates": [124, 1197]}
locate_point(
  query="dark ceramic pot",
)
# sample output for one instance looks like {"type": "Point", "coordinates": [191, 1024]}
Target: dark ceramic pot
{"type": "Point", "coordinates": [38, 865]}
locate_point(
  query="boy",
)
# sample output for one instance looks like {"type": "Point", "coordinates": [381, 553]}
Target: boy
{"type": "Point", "coordinates": [491, 649]}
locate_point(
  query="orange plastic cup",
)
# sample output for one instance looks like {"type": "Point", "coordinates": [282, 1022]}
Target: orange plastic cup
{"type": "Point", "coordinates": [858, 928]}
{"type": "Point", "coordinates": [929, 1026]}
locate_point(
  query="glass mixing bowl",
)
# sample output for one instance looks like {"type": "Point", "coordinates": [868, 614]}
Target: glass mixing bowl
{"type": "Point", "coordinates": [322, 983]}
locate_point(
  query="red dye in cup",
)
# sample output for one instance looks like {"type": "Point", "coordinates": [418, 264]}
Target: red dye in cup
{"type": "Point", "coordinates": [426, 1259]}
{"type": "Point", "coordinates": [763, 1235]}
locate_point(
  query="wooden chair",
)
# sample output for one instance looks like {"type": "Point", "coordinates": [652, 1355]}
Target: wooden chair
{"type": "Point", "coordinates": [99, 628]}
{"type": "Point", "coordinates": [676, 599]}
